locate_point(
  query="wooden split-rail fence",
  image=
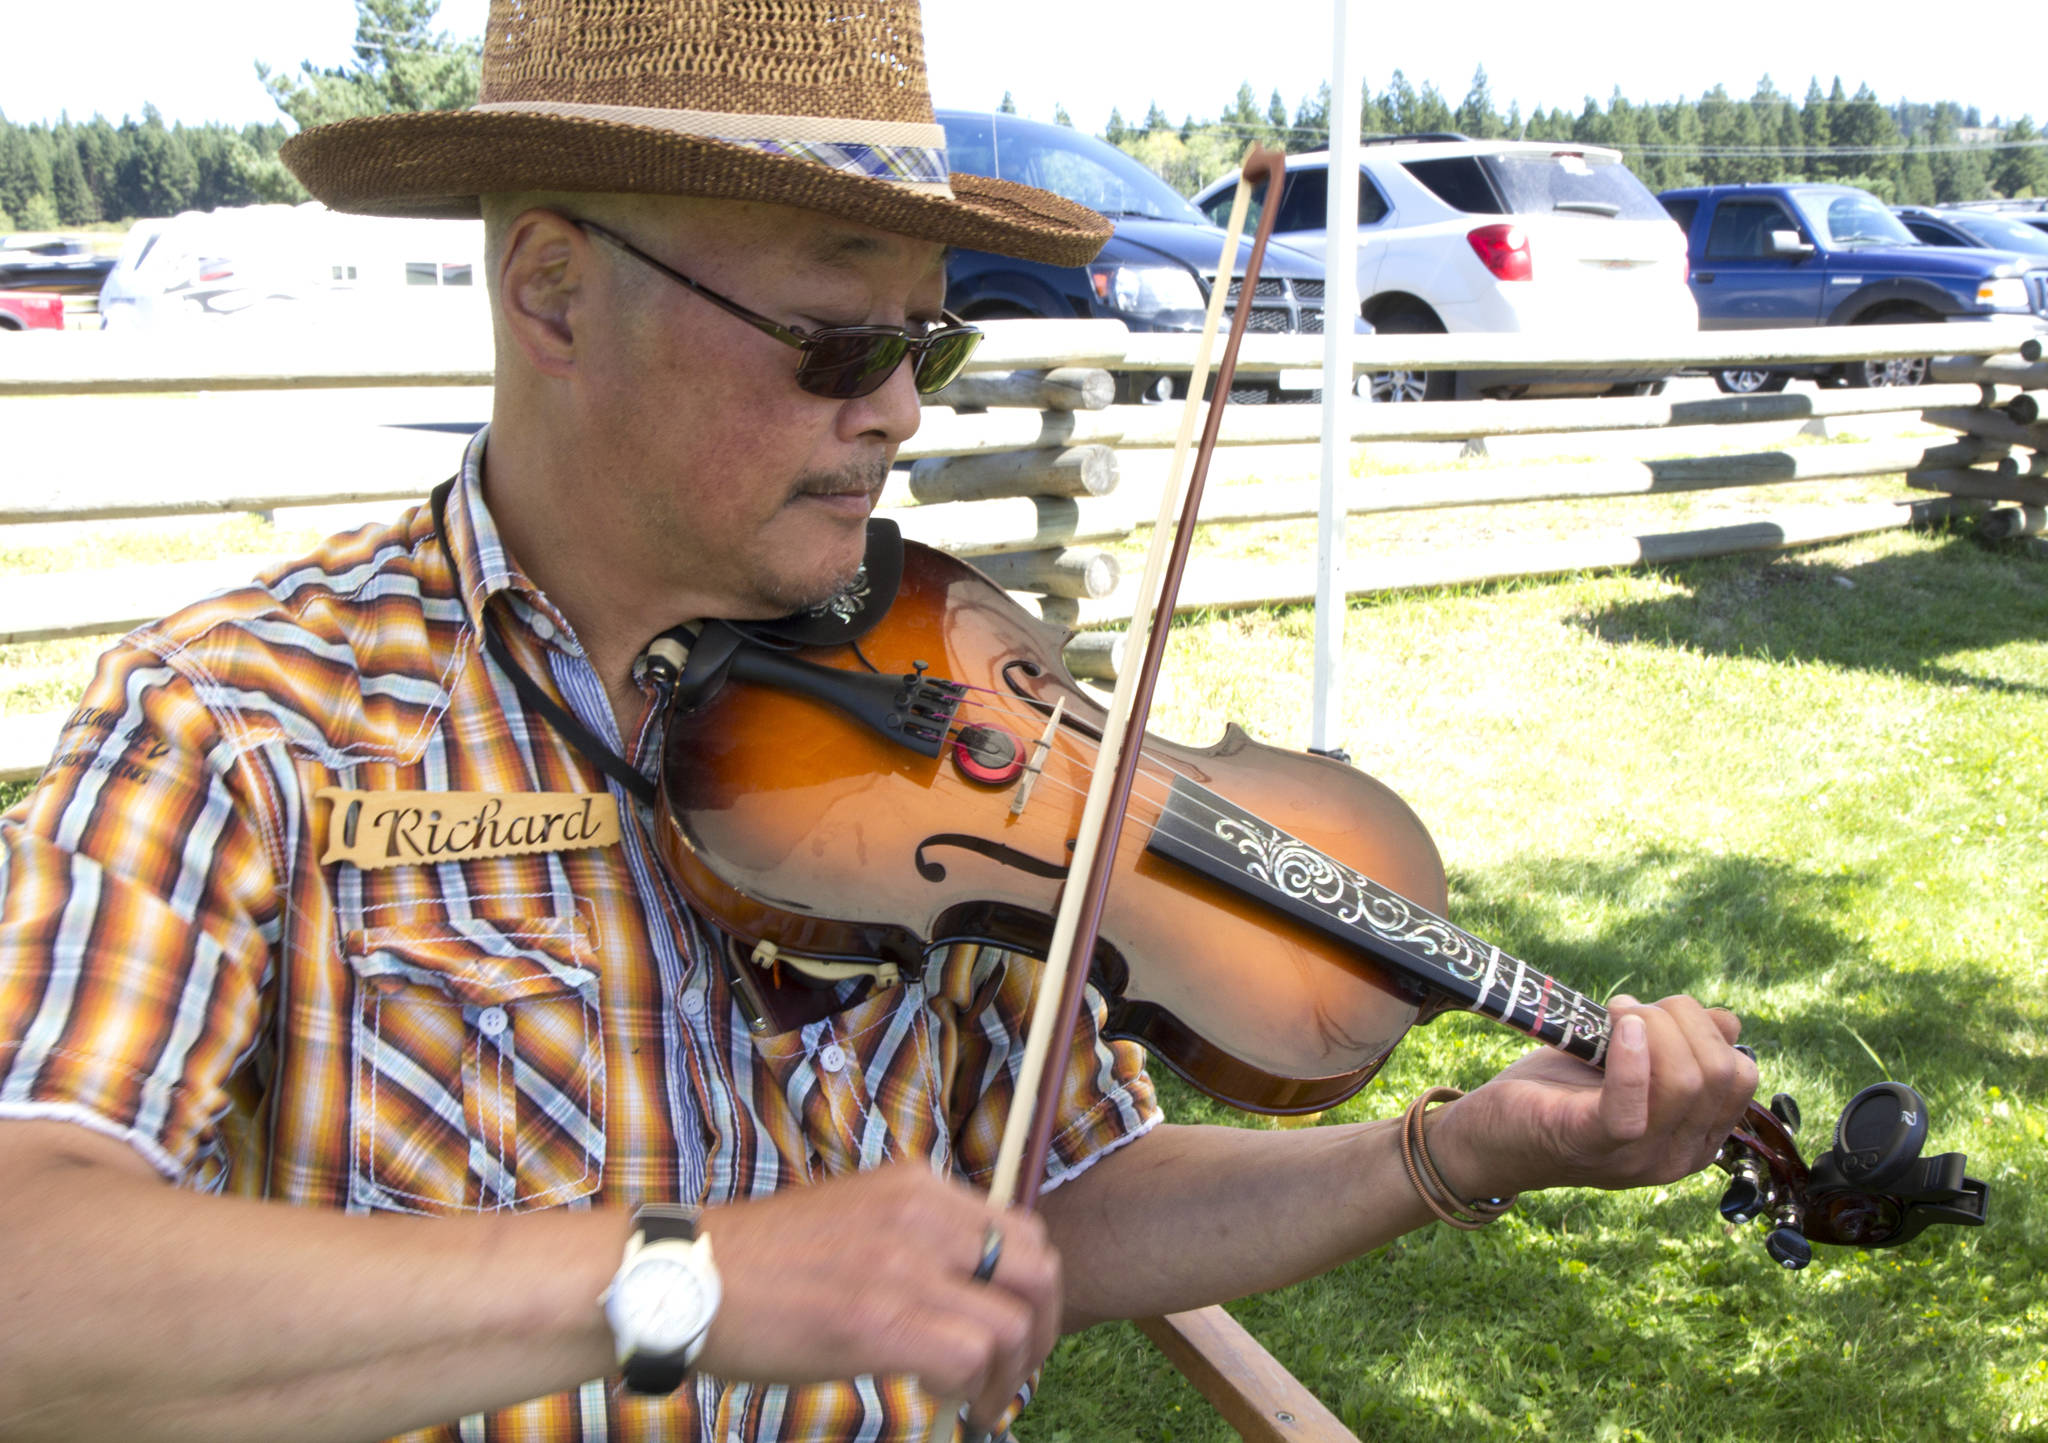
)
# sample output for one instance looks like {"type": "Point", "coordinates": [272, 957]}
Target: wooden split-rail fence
{"type": "Point", "coordinates": [1021, 467]}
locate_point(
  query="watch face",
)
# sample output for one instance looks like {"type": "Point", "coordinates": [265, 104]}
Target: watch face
{"type": "Point", "coordinates": [659, 1305]}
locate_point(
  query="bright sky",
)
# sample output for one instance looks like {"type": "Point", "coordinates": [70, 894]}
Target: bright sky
{"type": "Point", "coordinates": [1090, 55]}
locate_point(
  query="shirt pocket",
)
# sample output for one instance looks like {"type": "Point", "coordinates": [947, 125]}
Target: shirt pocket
{"type": "Point", "coordinates": [862, 1085]}
{"type": "Point", "coordinates": [477, 1065]}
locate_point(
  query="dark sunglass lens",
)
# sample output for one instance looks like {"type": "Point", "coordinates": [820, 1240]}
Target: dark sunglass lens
{"type": "Point", "coordinates": [845, 366]}
{"type": "Point", "coordinates": [942, 356]}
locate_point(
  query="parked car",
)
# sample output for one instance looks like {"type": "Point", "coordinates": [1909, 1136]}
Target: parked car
{"type": "Point", "coordinates": [65, 264]}
{"type": "Point", "coordinates": [2032, 211]}
{"type": "Point", "coordinates": [1832, 255]}
{"type": "Point", "coordinates": [1156, 272]}
{"type": "Point", "coordinates": [298, 265]}
{"type": "Point", "coordinates": [1974, 229]}
{"type": "Point", "coordinates": [31, 311]}
{"type": "Point", "coordinates": [1462, 235]}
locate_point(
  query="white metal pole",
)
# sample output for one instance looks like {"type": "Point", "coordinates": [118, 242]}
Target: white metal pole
{"type": "Point", "coordinates": [1340, 305]}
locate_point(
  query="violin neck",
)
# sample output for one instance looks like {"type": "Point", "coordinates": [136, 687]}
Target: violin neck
{"type": "Point", "coordinates": [1227, 844]}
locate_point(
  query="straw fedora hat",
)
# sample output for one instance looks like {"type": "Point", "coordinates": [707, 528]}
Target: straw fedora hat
{"type": "Point", "coordinates": [821, 104]}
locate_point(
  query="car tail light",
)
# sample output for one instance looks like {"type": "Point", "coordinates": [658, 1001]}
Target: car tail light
{"type": "Point", "coordinates": [1504, 250]}
{"type": "Point", "coordinates": [216, 270]}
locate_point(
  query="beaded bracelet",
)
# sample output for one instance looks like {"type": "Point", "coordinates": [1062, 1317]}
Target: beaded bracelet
{"type": "Point", "coordinates": [1429, 1183]}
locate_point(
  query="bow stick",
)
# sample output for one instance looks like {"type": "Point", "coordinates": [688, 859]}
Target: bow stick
{"type": "Point", "coordinates": [1027, 1135]}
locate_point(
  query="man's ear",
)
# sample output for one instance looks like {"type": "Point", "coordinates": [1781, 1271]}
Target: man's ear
{"type": "Point", "coordinates": [546, 263]}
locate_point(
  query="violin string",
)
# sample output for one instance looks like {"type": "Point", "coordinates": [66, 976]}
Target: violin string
{"type": "Point", "coordinates": [1079, 751]}
{"type": "Point", "coordinates": [1079, 741]}
{"type": "Point", "coordinates": [1020, 709]}
{"type": "Point", "coordinates": [1072, 752]}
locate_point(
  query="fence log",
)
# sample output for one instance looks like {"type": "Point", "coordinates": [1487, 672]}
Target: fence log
{"type": "Point", "coordinates": [1027, 345]}
{"type": "Point", "coordinates": [1264, 584]}
{"type": "Point", "coordinates": [1589, 480]}
{"type": "Point", "coordinates": [1068, 388]}
{"type": "Point", "coordinates": [1077, 574]}
{"type": "Point", "coordinates": [1982, 482]}
{"type": "Point", "coordinates": [1076, 471]}
{"type": "Point", "coordinates": [1265, 354]}
{"type": "Point", "coordinates": [1990, 425]}
{"type": "Point", "coordinates": [1097, 655]}
{"type": "Point", "coordinates": [2024, 409]}
{"type": "Point", "coordinates": [79, 363]}
{"type": "Point", "coordinates": [71, 363]}
{"type": "Point", "coordinates": [26, 743]}
{"type": "Point", "coordinates": [1017, 523]}
{"type": "Point", "coordinates": [46, 606]}
{"type": "Point", "coordinates": [1992, 371]}
{"type": "Point", "coordinates": [2009, 522]}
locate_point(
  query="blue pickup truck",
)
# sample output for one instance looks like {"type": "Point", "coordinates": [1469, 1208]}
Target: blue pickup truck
{"type": "Point", "coordinates": [1767, 256]}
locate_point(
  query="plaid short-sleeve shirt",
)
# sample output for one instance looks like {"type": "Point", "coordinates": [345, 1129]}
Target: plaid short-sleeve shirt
{"type": "Point", "coordinates": [179, 970]}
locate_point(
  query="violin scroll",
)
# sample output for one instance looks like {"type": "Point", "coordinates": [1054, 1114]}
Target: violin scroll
{"type": "Point", "coordinates": [1870, 1189]}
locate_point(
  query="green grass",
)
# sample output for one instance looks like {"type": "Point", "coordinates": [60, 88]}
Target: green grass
{"type": "Point", "coordinates": [1819, 803]}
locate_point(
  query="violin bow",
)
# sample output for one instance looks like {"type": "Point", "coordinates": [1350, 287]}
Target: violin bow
{"type": "Point", "coordinates": [1027, 1135]}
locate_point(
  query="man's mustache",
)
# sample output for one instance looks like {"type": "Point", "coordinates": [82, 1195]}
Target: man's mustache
{"type": "Point", "coordinates": [861, 478]}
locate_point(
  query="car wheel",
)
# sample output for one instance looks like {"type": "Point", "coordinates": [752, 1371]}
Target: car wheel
{"type": "Point", "coordinates": [1908, 371]}
{"type": "Point", "coordinates": [1743, 381]}
{"type": "Point", "coordinates": [1411, 385]}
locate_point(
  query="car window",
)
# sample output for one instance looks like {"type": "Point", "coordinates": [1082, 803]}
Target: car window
{"type": "Point", "coordinates": [2006, 235]}
{"type": "Point", "coordinates": [1458, 182]}
{"type": "Point", "coordinates": [1933, 235]}
{"type": "Point", "coordinates": [1085, 170]}
{"type": "Point", "coordinates": [1566, 182]}
{"type": "Point", "coordinates": [1849, 219]}
{"type": "Point", "coordinates": [1742, 229]}
{"type": "Point", "coordinates": [1683, 212]}
{"type": "Point", "coordinates": [1305, 205]}
{"type": "Point", "coordinates": [1216, 209]}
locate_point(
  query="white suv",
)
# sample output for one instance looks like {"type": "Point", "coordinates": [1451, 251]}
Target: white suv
{"type": "Point", "coordinates": [1497, 235]}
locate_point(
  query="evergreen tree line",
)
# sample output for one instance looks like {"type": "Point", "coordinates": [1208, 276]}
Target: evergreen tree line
{"type": "Point", "coordinates": [70, 174]}
{"type": "Point", "coordinates": [75, 173]}
{"type": "Point", "coordinates": [1908, 154]}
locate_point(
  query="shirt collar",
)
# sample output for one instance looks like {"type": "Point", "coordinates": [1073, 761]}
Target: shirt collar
{"type": "Point", "coordinates": [485, 569]}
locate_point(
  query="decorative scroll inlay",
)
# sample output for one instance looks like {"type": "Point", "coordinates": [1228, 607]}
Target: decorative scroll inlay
{"type": "Point", "coordinates": [1298, 870]}
{"type": "Point", "coordinates": [1505, 987]}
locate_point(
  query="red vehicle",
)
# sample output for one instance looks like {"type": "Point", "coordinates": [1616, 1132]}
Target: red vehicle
{"type": "Point", "coordinates": [31, 311]}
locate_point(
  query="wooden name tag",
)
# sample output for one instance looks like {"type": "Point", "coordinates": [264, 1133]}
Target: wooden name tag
{"type": "Point", "coordinates": [411, 829]}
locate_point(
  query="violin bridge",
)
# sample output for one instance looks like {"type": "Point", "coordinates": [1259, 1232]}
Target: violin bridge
{"type": "Point", "coordinates": [1036, 765]}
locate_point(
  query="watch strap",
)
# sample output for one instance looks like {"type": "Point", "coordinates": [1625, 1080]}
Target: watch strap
{"type": "Point", "coordinates": [660, 1373]}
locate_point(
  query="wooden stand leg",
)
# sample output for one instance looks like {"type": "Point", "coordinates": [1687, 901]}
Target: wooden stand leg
{"type": "Point", "coordinates": [1241, 1380]}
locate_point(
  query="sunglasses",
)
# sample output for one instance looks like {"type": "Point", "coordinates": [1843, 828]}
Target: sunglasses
{"type": "Point", "coordinates": [839, 362]}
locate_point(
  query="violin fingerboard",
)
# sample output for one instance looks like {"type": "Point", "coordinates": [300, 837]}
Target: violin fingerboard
{"type": "Point", "coordinates": [1227, 844]}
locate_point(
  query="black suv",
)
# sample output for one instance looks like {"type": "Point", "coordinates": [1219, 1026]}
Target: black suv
{"type": "Point", "coordinates": [1154, 275]}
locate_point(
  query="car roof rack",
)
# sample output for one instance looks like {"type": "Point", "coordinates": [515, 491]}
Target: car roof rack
{"type": "Point", "coordinates": [1420, 138]}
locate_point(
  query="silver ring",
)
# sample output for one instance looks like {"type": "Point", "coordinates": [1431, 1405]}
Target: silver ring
{"type": "Point", "coordinates": [991, 1254]}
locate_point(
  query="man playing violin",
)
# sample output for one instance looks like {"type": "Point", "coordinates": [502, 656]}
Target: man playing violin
{"type": "Point", "coordinates": [460, 1113]}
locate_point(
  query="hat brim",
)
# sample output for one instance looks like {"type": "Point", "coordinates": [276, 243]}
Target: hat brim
{"type": "Point", "coordinates": [436, 163]}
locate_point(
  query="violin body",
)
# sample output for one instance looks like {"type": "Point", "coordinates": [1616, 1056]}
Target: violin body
{"type": "Point", "coordinates": [788, 822]}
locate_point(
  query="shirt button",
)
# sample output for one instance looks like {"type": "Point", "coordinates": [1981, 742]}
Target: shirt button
{"type": "Point", "coordinates": [832, 1058]}
{"type": "Point", "coordinates": [693, 1003]}
{"type": "Point", "coordinates": [491, 1021]}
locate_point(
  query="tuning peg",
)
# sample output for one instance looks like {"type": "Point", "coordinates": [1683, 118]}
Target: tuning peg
{"type": "Point", "coordinates": [1743, 1200]}
{"type": "Point", "coordinates": [1788, 1248]}
{"type": "Point", "coordinates": [1786, 1110]}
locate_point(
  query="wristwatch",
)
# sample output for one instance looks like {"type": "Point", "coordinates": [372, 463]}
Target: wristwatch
{"type": "Point", "coordinates": [662, 1299]}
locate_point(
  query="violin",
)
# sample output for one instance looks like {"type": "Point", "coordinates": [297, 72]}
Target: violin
{"type": "Point", "coordinates": [1274, 923]}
